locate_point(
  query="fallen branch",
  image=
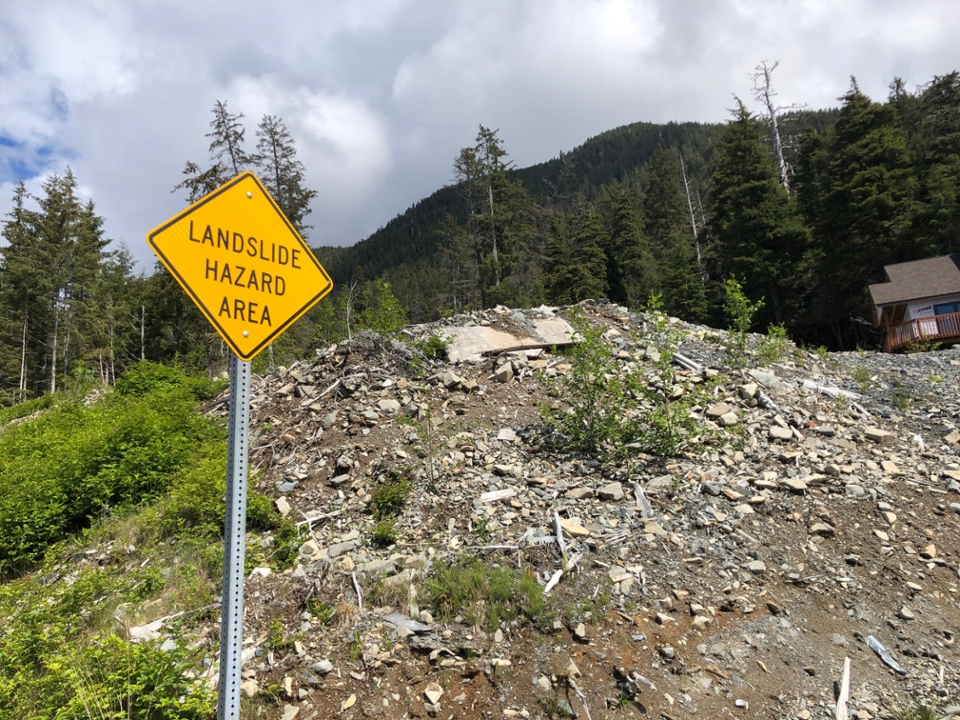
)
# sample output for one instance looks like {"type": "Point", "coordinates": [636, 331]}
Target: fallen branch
{"type": "Point", "coordinates": [583, 698]}
{"type": "Point", "coordinates": [559, 530]}
{"type": "Point", "coordinates": [841, 713]}
{"type": "Point", "coordinates": [356, 586]}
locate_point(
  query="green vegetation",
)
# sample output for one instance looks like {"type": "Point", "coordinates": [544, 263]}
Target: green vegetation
{"type": "Point", "coordinates": [773, 348]}
{"type": "Point", "coordinates": [595, 392]}
{"type": "Point", "coordinates": [600, 397]}
{"type": "Point", "coordinates": [139, 476]}
{"type": "Point", "coordinates": [861, 376]}
{"type": "Point", "coordinates": [391, 492]}
{"type": "Point", "coordinates": [741, 312]}
{"type": "Point", "coordinates": [485, 595]}
{"type": "Point", "coordinates": [384, 533]}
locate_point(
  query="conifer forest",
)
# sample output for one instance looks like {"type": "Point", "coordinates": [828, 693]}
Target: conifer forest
{"type": "Point", "coordinates": [803, 208]}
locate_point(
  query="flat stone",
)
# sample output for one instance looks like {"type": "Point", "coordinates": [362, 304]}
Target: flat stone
{"type": "Point", "coordinates": [574, 529]}
{"type": "Point", "coordinates": [729, 419]}
{"type": "Point", "coordinates": [757, 567]}
{"type": "Point", "coordinates": [779, 433]}
{"type": "Point", "coordinates": [877, 435]}
{"type": "Point", "coordinates": [389, 405]}
{"type": "Point", "coordinates": [715, 411]}
{"type": "Point", "coordinates": [580, 493]}
{"type": "Point", "coordinates": [794, 484]}
{"type": "Point", "coordinates": [433, 692]}
{"type": "Point", "coordinates": [338, 480]}
{"type": "Point", "coordinates": [504, 373]}
{"type": "Point", "coordinates": [249, 688]}
{"type": "Point", "coordinates": [929, 552]}
{"type": "Point", "coordinates": [611, 491]}
{"type": "Point", "coordinates": [822, 529]}
{"type": "Point", "coordinates": [324, 667]}
{"type": "Point", "coordinates": [882, 535]}
{"type": "Point", "coordinates": [283, 507]}
{"type": "Point", "coordinates": [906, 614]}
{"type": "Point", "coordinates": [747, 391]}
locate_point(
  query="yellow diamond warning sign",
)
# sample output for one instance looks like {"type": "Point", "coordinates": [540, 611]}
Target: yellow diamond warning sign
{"type": "Point", "coordinates": [243, 263]}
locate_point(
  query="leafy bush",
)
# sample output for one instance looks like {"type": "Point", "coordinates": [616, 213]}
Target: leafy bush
{"type": "Point", "coordinates": [602, 395]}
{"type": "Point", "coordinates": [57, 661]}
{"type": "Point", "coordinates": [434, 347]}
{"type": "Point", "coordinates": [68, 466]}
{"type": "Point", "coordinates": [773, 348]}
{"type": "Point", "coordinates": [595, 392]}
{"type": "Point", "coordinates": [669, 427]}
{"type": "Point", "coordinates": [741, 311]}
{"type": "Point", "coordinates": [146, 377]}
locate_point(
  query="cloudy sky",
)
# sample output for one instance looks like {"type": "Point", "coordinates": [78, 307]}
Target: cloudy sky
{"type": "Point", "coordinates": [381, 94]}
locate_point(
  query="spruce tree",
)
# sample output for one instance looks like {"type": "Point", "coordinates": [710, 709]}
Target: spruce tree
{"type": "Point", "coordinates": [757, 232]}
{"type": "Point", "coordinates": [856, 188]}
{"type": "Point", "coordinates": [936, 212]}
{"type": "Point", "coordinates": [631, 268]}
{"type": "Point", "coordinates": [227, 156]}
{"type": "Point", "coordinates": [281, 172]}
{"type": "Point", "coordinates": [666, 225]}
{"type": "Point", "coordinates": [578, 264]}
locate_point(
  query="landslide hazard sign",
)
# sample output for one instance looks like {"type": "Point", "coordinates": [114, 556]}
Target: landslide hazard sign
{"type": "Point", "coordinates": [242, 263]}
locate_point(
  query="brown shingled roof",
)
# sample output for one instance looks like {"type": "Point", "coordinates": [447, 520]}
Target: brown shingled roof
{"type": "Point", "coordinates": [919, 279]}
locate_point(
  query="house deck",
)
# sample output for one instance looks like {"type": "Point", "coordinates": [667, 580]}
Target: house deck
{"type": "Point", "coordinates": [943, 329]}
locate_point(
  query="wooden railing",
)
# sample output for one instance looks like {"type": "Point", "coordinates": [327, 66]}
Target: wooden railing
{"type": "Point", "coordinates": [937, 328]}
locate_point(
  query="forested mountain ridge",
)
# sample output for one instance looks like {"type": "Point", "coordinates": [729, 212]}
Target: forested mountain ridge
{"type": "Point", "coordinates": [803, 210]}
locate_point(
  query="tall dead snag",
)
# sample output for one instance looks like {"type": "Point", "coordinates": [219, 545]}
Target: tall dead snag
{"type": "Point", "coordinates": [764, 93]}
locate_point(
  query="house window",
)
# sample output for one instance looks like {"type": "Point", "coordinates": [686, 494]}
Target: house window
{"type": "Point", "coordinates": [945, 308]}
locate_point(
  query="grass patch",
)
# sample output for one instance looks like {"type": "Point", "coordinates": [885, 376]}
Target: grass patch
{"type": "Point", "coordinates": [485, 596]}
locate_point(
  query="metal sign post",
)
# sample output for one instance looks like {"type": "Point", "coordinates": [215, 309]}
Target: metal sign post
{"type": "Point", "coordinates": [247, 269]}
{"type": "Point", "coordinates": [234, 532]}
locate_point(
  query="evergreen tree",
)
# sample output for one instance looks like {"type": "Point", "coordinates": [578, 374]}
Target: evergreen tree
{"type": "Point", "coordinates": [936, 213]}
{"type": "Point", "coordinates": [856, 189]}
{"type": "Point", "coordinates": [227, 156]}
{"type": "Point", "coordinates": [666, 225]}
{"type": "Point", "coordinates": [756, 229]}
{"type": "Point", "coordinates": [24, 288]}
{"type": "Point", "coordinates": [631, 268]}
{"type": "Point", "coordinates": [578, 265]}
{"type": "Point", "coordinates": [281, 172]}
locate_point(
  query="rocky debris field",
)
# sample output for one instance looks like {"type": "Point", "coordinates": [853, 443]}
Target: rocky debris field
{"type": "Point", "coordinates": [815, 520]}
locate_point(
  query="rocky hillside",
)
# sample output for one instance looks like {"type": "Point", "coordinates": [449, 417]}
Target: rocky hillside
{"type": "Point", "coordinates": [458, 560]}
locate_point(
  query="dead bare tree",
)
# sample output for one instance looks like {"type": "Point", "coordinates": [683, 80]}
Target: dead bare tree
{"type": "Point", "coordinates": [764, 93]}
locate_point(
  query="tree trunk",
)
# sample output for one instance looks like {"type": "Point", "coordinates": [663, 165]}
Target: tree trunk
{"type": "Point", "coordinates": [53, 350]}
{"type": "Point", "coordinates": [143, 316]}
{"type": "Point", "coordinates": [23, 356]}
{"type": "Point", "coordinates": [493, 237]}
{"type": "Point", "coordinates": [693, 220]}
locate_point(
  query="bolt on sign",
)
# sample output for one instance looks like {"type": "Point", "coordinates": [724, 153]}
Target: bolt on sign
{"type": "Point", "coordinates": [243, 264]}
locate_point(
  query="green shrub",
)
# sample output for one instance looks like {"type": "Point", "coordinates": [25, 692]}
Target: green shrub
{"type": "Point", "coordinates": [384, 533]}
{"type": "Point", "coordinates": [773, 348]}
{"type": "Point", "coordinates": [485, 595]}
{"type": "Point", "coordinates": [434, 347]}
{"type": "Point", "coordinates": [147, 377]}
{"type": "Point", "coordinates": [391, 492]}
{"type": "Point", "coordinates": [595, 393]}
{"type": "Point", "coordinates": [741, 311]}
{"type": "Point", "coordinates": [111, 677]}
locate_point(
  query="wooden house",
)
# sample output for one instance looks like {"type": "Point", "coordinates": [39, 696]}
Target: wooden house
{"type": "Point", "coordinates": [919, 302]}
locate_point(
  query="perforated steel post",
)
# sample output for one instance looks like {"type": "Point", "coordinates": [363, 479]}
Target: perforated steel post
{"type": "Point", "coordinates": [231, 622]}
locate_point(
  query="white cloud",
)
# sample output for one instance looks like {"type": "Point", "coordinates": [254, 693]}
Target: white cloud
{"type": "Point", "coordinates": [381, 94]}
